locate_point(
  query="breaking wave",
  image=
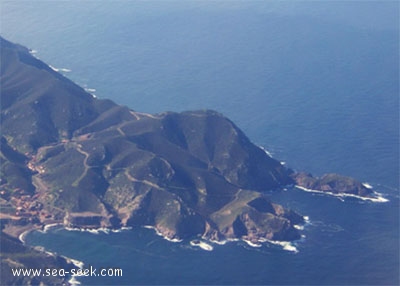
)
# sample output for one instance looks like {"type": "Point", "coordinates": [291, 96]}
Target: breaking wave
{"type": "Point", "coordinates": [378, 197]}
{"type": "Point", "coordinates": [59, 69]}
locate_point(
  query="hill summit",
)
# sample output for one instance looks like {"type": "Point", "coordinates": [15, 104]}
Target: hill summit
{"type": "Point", "coordinates": [70, 158]}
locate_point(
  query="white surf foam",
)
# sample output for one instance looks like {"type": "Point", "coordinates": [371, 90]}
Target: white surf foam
{"type": "Point", "coordinates": [160, 234]}
{"type": "Point", "coordinates": [252, 244]}
{"type": "Point", "coordinates": [220, 242]}
{"type": "Point", "coordinates": [41, 249]}
{"type": "Point", "coordinates": [22, 236]}
{"type": "Point", "coordinates": [266, 151]}
{"type": "Point", "coordinates": [299, 227]}
{"type": "Point", "coordinates": [64, 70]}
{"type": "Point", "coordinates": [171, 239]}
{"type": "Point", "coordinates": [77, 263]}
{"type": "Point", "coordinates": [59, 69]}
{"type": "Point", "coordinates": [53, 68]}
{"type": "Point", "coordinates": [302, 226]}
{"type": "Point", "coordinates": [90, 230]}
{"type": "Point", "coordinates": [286, 245]}
{"type": "Point", "coordinates": [124, 228]}
{"type": "Point", "coordinates": [203, 245]}
{"type": "Point", "coordinates": [47, 227]}
{"type": "Point", "coordinates": [368, 186]}
{"type": "Point", "coordinates": [90, 89]}
{"type": "Point", "coordinates": [73, 281]}
{"type": "Point", "coordinates": [378, 198]}
{"type": "Point", "coordinates": [289, 247]}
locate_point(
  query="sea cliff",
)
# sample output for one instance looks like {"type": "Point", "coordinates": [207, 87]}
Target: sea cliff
{"type": "Point", "coordinates": [70, 158]}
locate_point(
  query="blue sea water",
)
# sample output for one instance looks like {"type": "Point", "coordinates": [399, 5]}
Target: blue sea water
{"type": "Point", "coordinates": [317, 84]}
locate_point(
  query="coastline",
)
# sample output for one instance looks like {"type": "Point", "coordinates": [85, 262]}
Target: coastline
{"type": "Point", "coordinates": [20, 232]}
{"type": "Point", "coordinates": [378, 199]}
{"type": "Point", "coordinates": [206, 245]}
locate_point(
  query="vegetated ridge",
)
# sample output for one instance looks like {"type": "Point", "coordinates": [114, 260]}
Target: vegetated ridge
{"type": "Point", "coordinates": [68, 157]}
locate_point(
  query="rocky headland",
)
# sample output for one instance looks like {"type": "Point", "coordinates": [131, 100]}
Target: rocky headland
{"type": "Point", "coordinates": [70, 158]}
{"type": "Point", "coordinates": [15, 255]}
{"type": "Point", "coordinates": [333, 183]}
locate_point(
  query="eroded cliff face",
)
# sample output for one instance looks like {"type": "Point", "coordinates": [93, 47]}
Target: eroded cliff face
{"type": "Point", "coordinates": [90, 162]}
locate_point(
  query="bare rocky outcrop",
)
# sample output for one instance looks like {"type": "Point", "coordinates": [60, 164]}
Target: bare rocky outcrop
{"type": "Point", "coordinates": [332, 183]}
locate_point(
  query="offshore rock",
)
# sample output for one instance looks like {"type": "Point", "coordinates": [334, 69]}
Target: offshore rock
{"type": "Point", "coordinates": [332, 183]}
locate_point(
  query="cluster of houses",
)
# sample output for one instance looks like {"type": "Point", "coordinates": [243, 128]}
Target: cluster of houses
{"type": "Point", "coordinates": [25, 207]}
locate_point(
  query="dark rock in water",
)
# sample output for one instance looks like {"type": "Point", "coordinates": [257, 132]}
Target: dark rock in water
{"type": "Point", "coordinates": [332, 183]}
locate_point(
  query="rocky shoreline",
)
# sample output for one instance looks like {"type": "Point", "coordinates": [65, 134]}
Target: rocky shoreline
{"type": "Point", "coordinates": [84, 162]}
{"type": "Point", "coordinates": [94, 164]}
{"type": "Point", "coordinates": [15, 254]}
{"type": "Point", "coordinates": [336, 185]}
